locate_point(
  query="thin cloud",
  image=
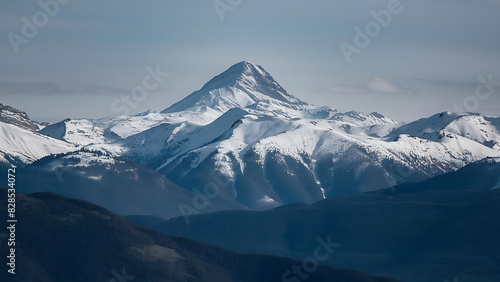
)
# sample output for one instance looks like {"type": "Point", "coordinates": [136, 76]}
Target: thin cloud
{"type": "Point", "coordinates": [376, 85]}
{"type": "Point", "coordinates": [444, 83]}
{"type": "Point", "coordinates": [380, 85]}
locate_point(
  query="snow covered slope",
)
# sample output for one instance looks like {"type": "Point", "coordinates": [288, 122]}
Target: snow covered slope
{"type": "Point", "coordinates": [472, 126]}
{"type": "Point", "coordinates": [20, 146]}
{"type": "Point", "coordinates": [84, 132]}
{"type": "Point", "coordinates": [272, 161]}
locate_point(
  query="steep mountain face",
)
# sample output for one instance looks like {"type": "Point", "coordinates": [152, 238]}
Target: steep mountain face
{"type": "Point", "coordinates": [450, 221]}
{"type": "Point", "coordinates": [273, 149]}
{"type": "Point", "coordinates": [16, 117]}
{"type": "Point", "coordinates": [70, 240]}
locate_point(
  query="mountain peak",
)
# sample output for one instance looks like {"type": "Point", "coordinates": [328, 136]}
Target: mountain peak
{"type": "Point", "coordinates": [240, 86]}
{"type": "Point", "coordinates": [245, 65]}
{"type": "Point", "coordinates": [16, 117]}
{"type": "Point", "coordinates": [236, 73]}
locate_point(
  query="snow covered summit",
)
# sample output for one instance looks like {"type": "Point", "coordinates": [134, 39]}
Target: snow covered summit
{"type": "Point", "coordinates": [242, 85]}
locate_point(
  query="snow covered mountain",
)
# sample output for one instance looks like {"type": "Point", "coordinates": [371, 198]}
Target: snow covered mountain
{"type": "Point", "coordinates": [16, 117]}
{"type": "Point", "coordinates": [242, 85]}
{"type": "Point", "coordinates": [83, 132]}
{"type": "Point", "coordinates": [299, 152]}
{"type": "Point", "coordinates": [272, 161]}
{"type": "Point", "coordinates": [249, 86]}
{"type": "Point", "coordinates": [20, 146]}
{"type": "Point", "coordinates": [483, 130]}
{"type": "Point", "coordinates": [19, 142]}
{"type": "Point", "coordinates": [272, 148]}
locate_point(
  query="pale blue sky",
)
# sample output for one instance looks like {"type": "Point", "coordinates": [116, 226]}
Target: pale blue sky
{"type": "Point", "coordinates": [427, 59]}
